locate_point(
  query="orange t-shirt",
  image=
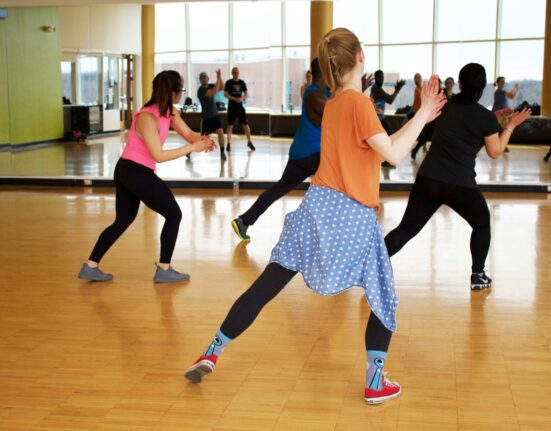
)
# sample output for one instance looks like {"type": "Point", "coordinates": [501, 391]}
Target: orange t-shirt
{"type": "Point", "coordinates": [416, 99]}
{"type": "Point", "coordinates": [348, 164]}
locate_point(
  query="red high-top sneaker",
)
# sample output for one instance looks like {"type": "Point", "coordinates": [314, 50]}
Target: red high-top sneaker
{"type": "Point", "coordinates": [202, 366]}
{"type": "Point", "coordinates": [389, 390]}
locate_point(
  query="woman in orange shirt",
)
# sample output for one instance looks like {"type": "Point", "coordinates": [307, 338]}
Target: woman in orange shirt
{"type": "Point", "coordinates": [333, 239]}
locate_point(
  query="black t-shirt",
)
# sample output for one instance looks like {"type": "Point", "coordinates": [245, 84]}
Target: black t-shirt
{"type": "Point", "coordinates": [235, 89]}
{"type": "Point", "coordinates": [458, 137]}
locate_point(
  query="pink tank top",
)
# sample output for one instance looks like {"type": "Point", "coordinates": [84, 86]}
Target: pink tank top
{"type": "Point", "coordinates": [136, 149]}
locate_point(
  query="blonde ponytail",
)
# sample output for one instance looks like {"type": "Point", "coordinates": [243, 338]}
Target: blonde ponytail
{"type": "Point", "coordinates": [337, 52]}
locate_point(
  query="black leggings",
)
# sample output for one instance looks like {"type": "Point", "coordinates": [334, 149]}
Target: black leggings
{"type": "Point", "coordinates": [272, 281]}
{"type": "Point", "coordinates": [425, 136]}
{"type": "Point", "coordinates": [426, 197]}
{"type": "Point", "coordinates": [296, 171]}
{"type": "Point", "coordinates": [135, 183]}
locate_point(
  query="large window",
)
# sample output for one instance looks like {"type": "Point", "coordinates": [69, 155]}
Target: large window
{"type": "Point", "coordinates": [67, 80]}
{"type": "Point", "coordinates": [361, 17]}
{"type": "Point", "coordinates": [270, 42]}
{"type": "Point", "coordinates": [522, 63]}
{"type": "Point", "coordinates": [402, 37]}
{"type": "Point", "coordinates": [523, 18]}
{"type": "Point", "coordinates": [209, 62]}
{"type": "Point", "coordinates": [89, 79]}
{"type": "Point", "coordinates": [256, 24]}
{"type": "Point", "coordinates": [208, 25]}
{"type": "Point", "coordinates": [406, 21]}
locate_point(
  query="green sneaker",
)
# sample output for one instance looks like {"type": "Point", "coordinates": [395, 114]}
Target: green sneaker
{"type": "Point", "coordinates": [240, 229]}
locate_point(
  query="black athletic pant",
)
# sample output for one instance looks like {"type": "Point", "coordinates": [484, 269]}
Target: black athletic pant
{"type": "Point", "coordinates": [272, 281]}
{"type": "Point", "coordinates": [426, 196]}
{"type": "Point", "coordinates": [425, 136]}
{"type": "Point", "coordinates": [296, 171]}
{"type": "Point", "coordinates": [135, 183]}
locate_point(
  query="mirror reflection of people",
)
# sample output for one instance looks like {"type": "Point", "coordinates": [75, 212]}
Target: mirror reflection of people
{"type": "Point", "coordinates": [136, 181]}
{"type": "Point", "coordinates": [304, 153]}
{"type": "Point", "coordinates": [307, 83]}
{"type": "Point", "coordinates": [210, 119]}
{"type": "Point", "coordinates": [449, 85]}
{"type": "Point", "coordinates": [501, 96]}
{"type": "Point", "coordinates": [235, 91]}
{"type": "Point", "coordinates": [381, 98]}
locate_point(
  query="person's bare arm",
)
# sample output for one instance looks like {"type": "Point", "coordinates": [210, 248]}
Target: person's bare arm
{"type": "Point", "coordinates": [219, 85]}
{"type": "Point", "coordinates": [315, 104]}
{"type": "Point", "coordinates": [511, 94]}
{"type": "Point", "coordinates": [495, 144]}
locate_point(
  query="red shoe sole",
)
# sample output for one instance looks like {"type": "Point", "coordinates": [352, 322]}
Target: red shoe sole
{"type": "Point", "coordinates": [379, 400]}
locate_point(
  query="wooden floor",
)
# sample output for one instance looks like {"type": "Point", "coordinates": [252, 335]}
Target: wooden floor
{"type": "Point", "coordinates": [81, 356]}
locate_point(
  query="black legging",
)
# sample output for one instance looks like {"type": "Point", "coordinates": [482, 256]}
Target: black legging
{"type": "Point", "coordinates": [296, 171]}
{"type": "Point", "coordinates": [426, 196]}
{"type": "Point", "coordinates": [135, 183]}
{"type": "Point", "coordinates": [424, 136]}
{"type": "Point", "coordinates": [272, 281]}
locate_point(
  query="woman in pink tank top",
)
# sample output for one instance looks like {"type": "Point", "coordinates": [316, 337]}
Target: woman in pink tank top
{"type": "Point", "coordinates": [136, 181]}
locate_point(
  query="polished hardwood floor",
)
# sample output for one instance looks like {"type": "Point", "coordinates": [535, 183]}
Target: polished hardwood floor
{"type": "Point", "coordinates": [110, 356]}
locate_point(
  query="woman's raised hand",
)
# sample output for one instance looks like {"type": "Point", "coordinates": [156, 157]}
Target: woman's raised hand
{"type": "Point", "coordinates": [517, 118]}
{"type": "Point", "coordinates": [432, 98]}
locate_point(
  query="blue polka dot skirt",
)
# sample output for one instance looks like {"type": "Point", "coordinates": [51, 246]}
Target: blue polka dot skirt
{"type": "Point", "coordinates": [336, 243]}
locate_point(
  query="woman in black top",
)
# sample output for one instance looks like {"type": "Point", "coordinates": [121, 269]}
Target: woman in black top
{"type": "Point", "coordinates": [447, 175]}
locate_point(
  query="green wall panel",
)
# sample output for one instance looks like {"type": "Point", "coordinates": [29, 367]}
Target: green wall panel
{"type": "Point", "coordinates": [34, 75]}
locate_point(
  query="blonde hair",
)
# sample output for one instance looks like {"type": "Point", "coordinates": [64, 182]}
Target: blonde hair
{"type": "Point", "coordinates": [337, 53]}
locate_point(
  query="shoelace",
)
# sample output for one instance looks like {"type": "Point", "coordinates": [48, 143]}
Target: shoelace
{"type": "Point", "coordinates": [387, 382]}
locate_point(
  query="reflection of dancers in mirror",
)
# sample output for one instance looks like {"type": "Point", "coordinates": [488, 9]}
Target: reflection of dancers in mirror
{"type": "Point", "coordinates": [136, 181]}
{"type": "Point", "coordinates": [236, 92]}
{"type": "Point", "coordinates": [309, 79]}
{"type": "Point", "coordinates": [501, 96]}
{"type": "Point", "coordinates": [333, 239]}
{"type": "Point", "coordinates": [424, 137]}
{"type": "Point", "coordinates": [210, 119]}
{"type": "Point", "coordinates": [304, 154]}
{"type": "Point", "coordinates": [381, 98]}
{"type": "Point", "coordinates": [447, 174]}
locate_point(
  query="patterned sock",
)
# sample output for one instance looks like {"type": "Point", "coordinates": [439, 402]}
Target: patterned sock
{"type": "Point", "coordinates": [374, 374]}
{"type": "Point", "coordinates": [218, 344]}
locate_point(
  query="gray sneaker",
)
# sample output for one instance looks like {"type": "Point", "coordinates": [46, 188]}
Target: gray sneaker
{"type": "Point", "coordinates": [168, 276]}
{"type": "Point", "coordinates": [240, 229]}
{"type": "Point", "coordinates": [93, 274]}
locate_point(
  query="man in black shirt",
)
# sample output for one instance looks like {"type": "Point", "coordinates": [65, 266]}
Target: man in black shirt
{"type": "Point", "coordinates": [235, 91]}
{"type": "Point", "coordinates": [210, 121]}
